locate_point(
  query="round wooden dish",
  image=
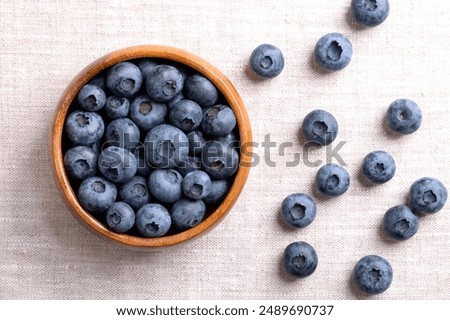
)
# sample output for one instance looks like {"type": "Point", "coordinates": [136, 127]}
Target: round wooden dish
{"type": "Point", "coordinates": [163, 52]}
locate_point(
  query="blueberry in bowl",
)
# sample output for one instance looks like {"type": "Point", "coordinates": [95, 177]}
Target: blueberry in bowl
{"type": "Point", "coordinates": [128, 131]}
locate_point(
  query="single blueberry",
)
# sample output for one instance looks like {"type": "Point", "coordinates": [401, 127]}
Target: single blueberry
{"type": "Point", "coordinates": [153, 220]}
{"type": "Point", "coordinates": [218, 120]}
{"type": "Point", "coordinates": [404, 116]}
{"type": "Point", "coordinates": [333, 51]}
{"type": "Point", "coordinates": [427, 195]}
{"type": "Point", "coordinates": [120, 217]}
{"type": "Point", "coordinates": [143, 168]}
{"type": "Point", "coordinates": [201, 90]}
{"type": "Point", "coordinates": [117, 164]}
{"type": "Point", "coordinates": [147, 113]}
{"type": "Point", "coordinates": [84, 127]}
{"type": "Point", "coordinates": [196, 141]}
{"type": "Point", "coordinates": [298, 210]}
{"type": "Point", "coordinates": [378, 167]}
{"type": "Point", "coordinates": [146, 66]}
{"type": "Point", "coordinates": [135, 192]}
{"type": "Point", "coordinates": [332, 180]}
{"type": "Point", "coordinates": [163, 83]}
{"type": "Point", "coordinates": [124, 79]}
{"type": "Point", "coordinates": [400, 222]}
{"type": "Point", "coordinates": [196, 185]}
{"type": "Point", "coordinates": [189, 165]}
{"type": "Point", "coordinates": [96, 194]}
{"type": "Point", "coordinates": [370, 13]}
{"type": "Point", "coordinates": [267, 61]}
{"type": "Point", "coordinates": [186, 115]}
{"type": "Point", "coordinates": [91, 97]}
{"type": "Point", "coordinates": [372, 274]}
{"type": "Point", "coordinates": [300, 259]}
{"type": "Point", "coordinates": [187, 213]}
{"type": "Point", "coordinates": [320, 127]}
{"type": "Point", "coordinates": [219, 190]}
{"type": "Point", "coordinates": [80, 162]}
{"type": "Point", "coordinates": [117, 107]}
{"type": "Point", "coordinates": [166, 146]}
{"type": "Point", "coordinates": [165, 185]}
{"type": "Point", "coordinates": [122, 133]}
{"type": "Point", "coordinates": [218, 160]}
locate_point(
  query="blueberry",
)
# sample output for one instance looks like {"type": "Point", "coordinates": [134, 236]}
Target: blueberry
{"type": "Point", "coordinates": [372, 274]}
{"type": "Point", "coordinates": [370, 13]}
{"type": "Point", "coordinates": [178, 97]}
{"type": "Point", "coordinates": [84, 127]}
{"type": "Point", "coordinates": [143, 168]}
{"type": "Point", "coordinates": [186, 115]}
{"type": "Point", "coordinates": [196, 142]}
{"type": "Point", "coordinates": [320, 127]}
{"type": "Point", "coordinates": [201, 90]}
{"type": "Point", "coordinates": [117, 164]}
{"type": "Point", "coordinates": [124, 79]}
{"type": "Point", "coordinates": [120, 217]}
{"type": "Point", "coordinates": [332, 180]}
{"type": "Point", "coordinates": [196, 185]}
{"type": "Point", "coordinates": [165, 185]}
{"type": "Point", "coordinates": [427, 195]}
{"type": "Point", "coordinates": [117, 107]}
{"type": "Point", "coordinates": [96, 194]}
{"type": "Point", "coordinates": [400, 222]}
{"type": "Point", "coordinates": [187, 213]}
{"type": "Point", "coordinates": [80, 162]}
{"type": "Point", "coordinates": [267, 61]}
{"type": "Point", "coordinates": [135, 192]}
{"type": "Point", "coordinates": [99, 80]}
{"type": "Point", "coordinates": [91, 97]}
{"type": "Point", "coordinates": [218, 120]}
{"type": "Point", "coordinates": [166, 146]}
{"type": "Point", "coordinates": [189, 165]}
{"type": "Point", "coordinates": [404, 116]}
{"type": "Point", "coordinates": [378, 167]}
{"type": "Point", "coordinates": [146, 66]}
{"type": "Point", "coordinates": [219, 190]}
{"type": "Point", "coordinates": [229, 139]}
{"type": "Point", "coordinates": [298, 210]}
{"type": "Point", "coordinates": [153, 220]}
{"type": "Point", "coordinates": [122, 133]}
{"type": "Point", "coordinates": [300, 259]}
{"type": "Point", "coordinates": [333, 51]}
{"type": "Point", "coordinates": [218, 160]}
{"type": "Point", "coordinates": [147, 113]}
{"type": "Point", "coordinates": [163, 83]}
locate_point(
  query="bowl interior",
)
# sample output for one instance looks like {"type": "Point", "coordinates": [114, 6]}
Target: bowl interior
{"type": "Point", "coordinates": [199, 65]}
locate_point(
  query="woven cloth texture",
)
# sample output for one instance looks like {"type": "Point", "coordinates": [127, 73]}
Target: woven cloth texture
{"type": "Point", "coordinates": [47, 254]}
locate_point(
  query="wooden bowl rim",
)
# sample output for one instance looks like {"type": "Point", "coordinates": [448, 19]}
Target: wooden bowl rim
{"type": "Point", "coordinates": [161, 52]}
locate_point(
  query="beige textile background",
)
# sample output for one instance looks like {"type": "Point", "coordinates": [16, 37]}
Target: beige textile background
{"type": "Point", "coordinates": [45, 253]}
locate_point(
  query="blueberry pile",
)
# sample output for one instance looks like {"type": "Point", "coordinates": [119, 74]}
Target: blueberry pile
{"type": "Point", "coordinates": [372, 274]}
{"type": "Point", "coordinates": [151, 147]}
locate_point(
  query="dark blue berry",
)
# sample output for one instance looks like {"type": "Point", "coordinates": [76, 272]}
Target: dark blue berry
{"type": "Point", "coordinates": [124, 79]}
{"type": "Point", "coordinates": [80, 162]}
{"type": "Point", "coordinates": [332, 180]}
{"type": "Point", "coordinates": [163, 83]}
{"type": "Point", "coordinates": [320, 127]}
{"type": "Point", "coordinates": [218, 160]}
{"type": "Point", "coordinates": [117, 164]}
{"type": "Point", "coordinates": [135, 192]}
{"type": "Point", "coordinates": [187, 213]}
{"type": "Point", "coordinates": [201, 90]}
{"type": "Point", "coordinates": [404, 116]}
{"type": "Point", "coordinates": [427, 195]}
{"type": "Point", "coordinates": [122, 133]}
{"type": "Point", "coordinates": [218, 120]}
{"type": "Point", "coordinates": [298, 210]}
{"type": "Point", "coordinates": [370, 13]}
{"type": "Point", "coordinates": [229, 139]}
{"type": "Point", "coordinates": [147, 113]}
{"type": "Point", "coordinates": [400, 222]}
{"type": "Point", "coordinates": [189, 165]}
{"type": "Point", "coordinates": [96, 194]}
{"type": "Point", "coordinates": [153, 220]}
{"type": "Point", "coordinates": [267, 61]}
{"type": "Point", "coordinates": [196, 185]}
{"type": "Point", "coordinates": [196, 142]}
{"type": "Point", "coordinates": [300, 259]}
{"type": "Point", "coordinates": [165, 185]}
{"type": "Point", "coordinates": [219, 190]}
{"type": "Point", "coordinates": [143, 168]}
{"type": "Point", "coordinates": [333, 51]}
{"type": "Point", "coordinates": [186, 115]}
{"type": "Point", "coordinates": [84, 127]}
{"type": "Point", "coordinates": [372, 274]}
{"type": "Point", "coordinates": [378, 167]}
{"type": "Point", "coordinates": [146, 66]}
{"type": "Point", "coordinates": [117, 107]}
{"type": "Point", "coordinates": [91, 97]}
{"type": "Point", "coordinates": [120, 217]}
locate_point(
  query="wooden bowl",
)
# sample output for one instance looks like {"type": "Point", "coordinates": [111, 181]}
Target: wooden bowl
{"type": "Point", "coordinates": [161, 52]}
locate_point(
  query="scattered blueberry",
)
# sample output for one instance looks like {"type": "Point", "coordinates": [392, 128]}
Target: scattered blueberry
{"type": "Point", "coordinates": [300, 259]}
{"type": "Point", "coordinates": [400, 222]}
{"type": "Point", "coordinates": [372, 274]}
{"type": "Point", "coordinates": [378, 167]}
{"type": "Point", "coordinates": [117, 164]}
{"type": "Point", "coordinates": [153, 220]}
{"type": "Point", "coordinates": [320, 127]}
{"type": "Point", "coordinates": [124, 79]}
{"type": "Point", "coordinates": [122, 133]}
{"type": "Point", "coordinates": [404, 116]}
{"type": "Point", "coordinates": [427, 195]}
{"type": "Point", "coordinates": [201, 90]}
{"type": "Point", "coordinates": [218, 160]}
{"type": "Point", "coordinates": [117, 107]}
{"type": "Point", "coordinates": [135, 192]}
{"type": "Point", "coordinates": [165, 185]}
{"type": "Point", "coordinates": [267, 61]}
{"type": "Point", "coordinates": [333, 51]}
{"type": "Point", "coordinates": [96, 194]}
{"type": "Point", "coordinates": [196, 185]}
{"type": "Point", "coordinates": [147, 113]}
{"type": "Point", "coordinates": [91, 97]}
{"type": "Point", "coordinates": [189, 165]}
{"type": "Point", "coordinates": [187, 213]}
{"type": "Point", "coordinates": [332, 180]}
{"type": "Point", "coordinates": [219, 190]}
{"type": "Point", "coordinates": [80, 162]}
{"type": "Point", "coordinates": [120, 217]}
{"type": "Point", "coordinates": [370, 13]}
{"type": "Point", "coordinates": [186, 115]}
{"type": "Point", "coordinates": [84, 128]}
{"type": "Point", "coordinates": [298, 210]}
{"type": "Point", "coordinates": [163, 83]}
{"type": "Point", "coordinates": [196, 142]}
{"type": "Point", "coordinates": [218, 120]}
